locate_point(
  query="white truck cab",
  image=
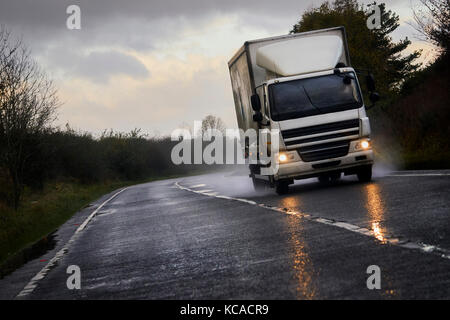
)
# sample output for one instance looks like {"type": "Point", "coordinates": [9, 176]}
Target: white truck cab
{"type": "Point", "coordinates": [303, 85]}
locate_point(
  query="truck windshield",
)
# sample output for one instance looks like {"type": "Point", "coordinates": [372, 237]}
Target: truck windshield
{"type": "Point", "coordinates": [313, 96]}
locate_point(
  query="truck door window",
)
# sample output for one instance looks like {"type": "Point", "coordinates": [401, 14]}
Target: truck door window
{"type": "Point", "coordinates": [266, 106]}
{"type": "Point", "coordinates": [262, 97]}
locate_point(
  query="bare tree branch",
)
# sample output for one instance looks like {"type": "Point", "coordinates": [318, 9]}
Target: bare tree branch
{"type": "Point", "coordinates": [432, 21]}
{"type": "Point", "coordinates": [28, 104]}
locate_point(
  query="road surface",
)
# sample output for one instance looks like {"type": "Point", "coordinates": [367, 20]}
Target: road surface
{"type": "Point", "coordinates": [213, 237]}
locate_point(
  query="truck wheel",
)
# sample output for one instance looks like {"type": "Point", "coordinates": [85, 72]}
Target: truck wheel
{"type": "Point", "coordinates": [329, 178]}
{"type": "Point", "coordinates": [324, 179]}
{"type": "Point", "coordinates": [258, 185]}
{"type": "Point", "coordinates": [282, 187]}
{"type": "Point", "coordinates": [335, 176]}
{"type": "Point", "coordinates": [364, 174]}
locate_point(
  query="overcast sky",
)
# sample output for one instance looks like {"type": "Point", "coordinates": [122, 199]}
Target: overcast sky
{"type": "Point", "coordinates": [152, 64]}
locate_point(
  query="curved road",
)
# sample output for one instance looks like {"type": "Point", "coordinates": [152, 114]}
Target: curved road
{"type": "Point", "coordinates": [213, 237]}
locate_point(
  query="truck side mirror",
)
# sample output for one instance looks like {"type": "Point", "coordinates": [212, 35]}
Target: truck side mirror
{"type": "Point", "coordinates": [374, 97]}
{"type": "Point", "coordinates": [258, 117]}
{"type": "Point", "coordinates": [256, 103]}
{"type": "Point", "coordinates": [370, 82]}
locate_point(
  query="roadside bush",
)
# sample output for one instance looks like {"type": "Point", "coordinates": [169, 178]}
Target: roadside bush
{"type": "Point", "coordinates": [77, 156]}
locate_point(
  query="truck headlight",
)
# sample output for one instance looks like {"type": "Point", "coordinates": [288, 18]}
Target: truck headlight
{"type": "Point", "coordinates": [363, 144]}
{"type": "Point", "coordinates": [284, 157]}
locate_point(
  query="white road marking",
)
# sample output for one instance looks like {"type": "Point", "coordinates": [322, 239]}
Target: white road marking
{"type": "Point", "coordinates": [443, 253]}
{"type": "Point", "coordinates": [211, 193]}
{"type": "Point", "coordinates": [418, 175]}
{"type": "Point", "coordinates": [198, 185]}
{"type": "Point", "coordinates": [29, 288]}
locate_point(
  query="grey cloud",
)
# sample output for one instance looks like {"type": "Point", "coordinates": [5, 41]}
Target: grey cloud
{"type": "Point", "coordinates": [51, 13]}
{"type": "Point", "coordinates": [97, 66]}
{"type": "Point", "coordinates": [133, 23]}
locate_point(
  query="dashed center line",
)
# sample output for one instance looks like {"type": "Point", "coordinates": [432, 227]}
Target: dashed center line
{"type": "Point", "coordinates": [426, 248]}
{"type": "Point", "coordinates": [198, 185]}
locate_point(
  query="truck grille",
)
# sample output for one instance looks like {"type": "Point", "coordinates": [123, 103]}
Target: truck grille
{"type": "Point", "coordinates": [323, 149]}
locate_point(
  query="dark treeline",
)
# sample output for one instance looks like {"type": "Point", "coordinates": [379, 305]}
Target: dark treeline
{"type": "Point", "coordinates": [419, 118]}
{"type": "Point", "coordinates": [410, 122]}
{"type": "Point", "coordinates": [66, 154]}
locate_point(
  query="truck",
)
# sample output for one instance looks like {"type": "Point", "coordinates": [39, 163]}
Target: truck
{"type": "Point", "coordinates": [304, 86]}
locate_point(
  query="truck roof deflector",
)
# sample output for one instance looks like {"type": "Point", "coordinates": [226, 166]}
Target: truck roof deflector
{"type": "Point", "coordinates": [302, 55]}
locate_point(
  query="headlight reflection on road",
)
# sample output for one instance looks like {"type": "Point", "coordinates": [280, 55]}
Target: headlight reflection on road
{"type": "Point", "coordinates": [377, 231]}
{"type": "Point", "coordinates": [376, 210]}
{"type": "Point", "coordinates": [301, 262]}
{"type": "Point", "coordinates": [290, 203]}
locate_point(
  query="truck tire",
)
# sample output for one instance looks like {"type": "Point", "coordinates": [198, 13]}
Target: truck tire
{"type": "Point", "coordinates": [329, 178]}
{"type": "Point", "coordinates": [324, 179]}
{"type": "Point", "coordinates": [334, 177]}
{"type": "Point", "coordinates": [364, 173]}
{"type": "Point", "coordinates": [282, 187]}
{"type": "Point", "coordinates": [258, 185]}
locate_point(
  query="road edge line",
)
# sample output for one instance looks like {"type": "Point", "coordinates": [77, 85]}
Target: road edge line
{"type": "Point", "coordinates": [32, 284]}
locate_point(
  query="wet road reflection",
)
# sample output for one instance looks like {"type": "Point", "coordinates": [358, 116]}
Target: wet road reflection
{"type": "Point", "coordinates": [291, 203]}
{"type": "Point", "coordinates": [378, 232]}
{"type": "Point", "coordinates": [304, 272]}
{"type": "Point", "coordinates": [375, 208]}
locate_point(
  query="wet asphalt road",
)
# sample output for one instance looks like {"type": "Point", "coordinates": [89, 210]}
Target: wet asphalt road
{"type": "Point", "coordinates": [157, 241]}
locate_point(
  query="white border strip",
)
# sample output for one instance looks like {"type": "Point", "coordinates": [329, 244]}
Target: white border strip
{"type": "Point", "coordinates": [29, 288]}
{"type": "Point", "coordinates": [443, 253]}
{"type": "Point", "coordinates": [418, 175]}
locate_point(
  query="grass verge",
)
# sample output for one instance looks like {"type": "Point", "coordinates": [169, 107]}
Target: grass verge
{"type": "Point", "coordinates": [42, 212]}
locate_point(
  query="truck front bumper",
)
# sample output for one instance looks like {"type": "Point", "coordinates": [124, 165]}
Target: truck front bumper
{"type": "Point", "coordinates": [303, 170]}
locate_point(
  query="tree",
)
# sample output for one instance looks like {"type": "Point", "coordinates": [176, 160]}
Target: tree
{"type": "Point", "coordinates": [433, 22]}
{"type": "Point", "coordinates": [28, 105]}
{"type": "Point", "coordinates": [373, 49]}
{"type": "Point", "coordinates": [212, 122]}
